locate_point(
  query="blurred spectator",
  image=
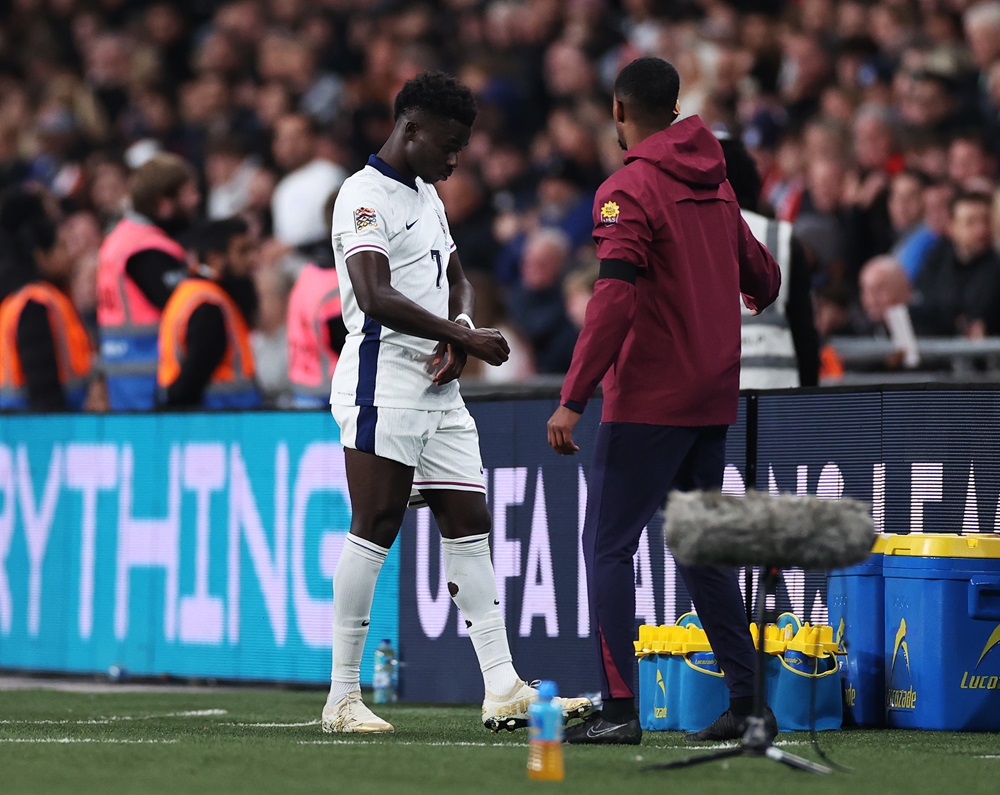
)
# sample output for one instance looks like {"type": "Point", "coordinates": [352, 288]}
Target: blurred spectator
{"type": "Point", "coordinates": [982, 31]}
{"type": "Point", "coordinates": [82, 236]}
{"type": "Point", "coordinates": [564, 204]}
{"type": "Point", "coordinates": [491, 313]}
{"type": "Point", "coordinates": [906, 214]}
{"type": "Point", "coordinates": [971, 165]}
{"type": "Point", "coordinates": [139, 265]}
{"type": "Point", "coordinates": [805, 72]}
{"type": "Point", "coordinates": [536, 304]}
{"type": "Point", "coordinates": [45, 354]}
{"type": "Point", "coordinates": [958, 290]}
{"type": "Point", "coordinates": [205, 358]}
{"type": "Point", "coordinates": [578, 289]}
{"type": "Point", "coordinates": [229, 175]}
{"type": "Point", "coordinates": [300, 196]}
{"type": "Point", "coordinates": [470, 219]}
{"type": "Point", "coordinates": [931, 103]}
{"type": "Point", "coordinates": [883, 284]}
{"type": "Point", "coordinates": [269, 337]}
{"type": "Point", "coordinates": [107, 189]}
{"type": "Point", "coordinates": [821, 223]}
{"type": "Point", "coordinates": [884, 297]}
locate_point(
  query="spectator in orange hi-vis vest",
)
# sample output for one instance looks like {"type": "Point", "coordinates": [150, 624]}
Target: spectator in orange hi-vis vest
{"type": "Point", "coordinates": [205, 358]}
{"type": "Point", "coordinates": [139, 265]}
{"type": "Point", "coordinates": [316, 334]}
{"type": "Point", "coordinates": [44, 348]}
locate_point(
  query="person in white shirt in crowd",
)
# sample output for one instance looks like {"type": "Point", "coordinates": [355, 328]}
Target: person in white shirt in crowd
{"type": "Point", "coordinates": [308, 180]}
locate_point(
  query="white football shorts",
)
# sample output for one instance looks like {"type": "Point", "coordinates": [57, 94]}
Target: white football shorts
{"type": "Point", "coordinates": [441, 446]}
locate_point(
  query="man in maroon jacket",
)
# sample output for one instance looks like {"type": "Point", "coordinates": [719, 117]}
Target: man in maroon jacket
{"type": "Point", "coordinates": [663, 332]}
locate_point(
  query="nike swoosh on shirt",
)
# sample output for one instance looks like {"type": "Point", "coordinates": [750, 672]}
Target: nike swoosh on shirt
{"type": "Point", "coordinates": [365, 623]}
{"type": "Point", "coordinates": [593, 732]}
{"type": "Point", "coordinates": [409, 226]}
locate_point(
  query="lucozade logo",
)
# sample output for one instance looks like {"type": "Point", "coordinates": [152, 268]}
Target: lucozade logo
{"type": "Point", "coordinates": [660, 712]}
{"type": "Point", "coordinates": [896, 697]}
{"type": "Point", "coordinates": [971, 681]}
{"type": "Point", "coordinates": [900, 644]}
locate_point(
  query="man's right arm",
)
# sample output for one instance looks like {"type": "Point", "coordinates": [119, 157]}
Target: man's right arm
{"type": "Point", "coordinates": [760, 275]}
{"type": "Point", "coordinates": [379, 300]}
{"type": "Point", "coordinates": [156, 273]}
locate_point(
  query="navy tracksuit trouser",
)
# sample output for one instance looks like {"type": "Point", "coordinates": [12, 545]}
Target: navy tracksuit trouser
{"type": "Point", "coordinates": [635, 466]}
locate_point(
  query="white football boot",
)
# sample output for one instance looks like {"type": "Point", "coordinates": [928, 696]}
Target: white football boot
{"type": "Point", "coordinates": [351, 716]}
{"type": "Point", "coordinates": [511, 711]}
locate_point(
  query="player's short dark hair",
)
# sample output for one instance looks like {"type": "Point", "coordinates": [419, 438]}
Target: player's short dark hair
{"type": "Point", "coordinates": [215, 236]}
{"type": "Point", "coordinates": [439, 94]}
{"type": "Point", "coordinates": [650, 86]}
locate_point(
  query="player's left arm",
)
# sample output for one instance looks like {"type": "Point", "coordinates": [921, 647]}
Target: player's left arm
{"type": "Point", "coordinates": [449, 360]}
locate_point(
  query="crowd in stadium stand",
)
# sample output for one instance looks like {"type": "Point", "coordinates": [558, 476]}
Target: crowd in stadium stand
{"type": "Point", "coordinates": [875, 127]}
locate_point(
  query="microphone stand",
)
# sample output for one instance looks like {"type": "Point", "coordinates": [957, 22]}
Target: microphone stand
{"type": "Point", "coordinates": [755, 741]}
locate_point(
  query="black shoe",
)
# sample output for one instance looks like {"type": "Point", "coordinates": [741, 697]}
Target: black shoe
{"type": "Point", "coordinates": [595, 730]}
{"type": "Point", "coordinates": [730, 727]}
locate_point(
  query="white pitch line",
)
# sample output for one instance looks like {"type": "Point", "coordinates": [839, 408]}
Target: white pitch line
{"type": "Point", "coordinates": [988, 756]}
{"type": "Point", "coordinates": [273, 725]}
{"type": "Point", "coordinates": [361, 740]}
{"type": "Point", "coordinates": [75, 740]}
{"type": "Point", "coordinates": [435, 744]}
{"type": "Point", "coordinates": [198, 713]}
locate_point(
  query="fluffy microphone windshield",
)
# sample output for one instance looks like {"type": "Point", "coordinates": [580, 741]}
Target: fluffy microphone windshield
{"type": "Point", "coordinates": [786, 531]}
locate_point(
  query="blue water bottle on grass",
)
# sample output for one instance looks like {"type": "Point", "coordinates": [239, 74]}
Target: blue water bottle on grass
{"type": "Point", "coordinates": [545, 727]}
{"type": "Point", "coordinates": [385, 681]}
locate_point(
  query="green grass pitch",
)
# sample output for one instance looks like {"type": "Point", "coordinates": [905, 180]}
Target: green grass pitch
{"type": "Point", "coordinates": [183, 740]}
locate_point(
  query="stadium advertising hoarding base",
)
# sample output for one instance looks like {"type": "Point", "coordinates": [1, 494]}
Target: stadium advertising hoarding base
{"type": "Point", "coordinates": [189, 545]}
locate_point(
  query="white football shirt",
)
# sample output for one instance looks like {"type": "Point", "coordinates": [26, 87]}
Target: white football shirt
{"type": "Point", "coordinates": [377, 210]}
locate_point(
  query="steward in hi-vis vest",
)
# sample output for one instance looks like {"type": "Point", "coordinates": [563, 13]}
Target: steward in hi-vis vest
{"type": "Point", "coordinates": [45, 353]}
{"type": "Point", "coordinates": [767, 358]}
{"type": "Point", "coordinates": [139, 264]}
{"type": "Point", "coordinates": [205, 358]}
{"type": "Point", "coordinates": [316, 334]}
{"type": "Point", "coordinates": [70, 346]}
{"type": "Point", "coordinates": [780, 345]}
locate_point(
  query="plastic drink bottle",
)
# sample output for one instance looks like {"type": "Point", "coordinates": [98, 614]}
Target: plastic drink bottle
{"type": "Point", "coordinates": [545, 726]}
{"type": "Point", "coordinates": [385, 682]}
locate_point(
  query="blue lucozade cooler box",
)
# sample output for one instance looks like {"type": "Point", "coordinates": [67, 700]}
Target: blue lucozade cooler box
{"type": "Point", "coordinates": [942, 632]}
{"type": "Point", "coordinates": [855, 597]}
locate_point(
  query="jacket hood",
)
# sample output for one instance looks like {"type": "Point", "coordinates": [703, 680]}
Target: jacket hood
{"type": "Point", "coordinates": [687, 150]}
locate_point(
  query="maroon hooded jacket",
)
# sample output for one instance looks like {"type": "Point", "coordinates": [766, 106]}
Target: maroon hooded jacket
{"type": "Point", "coordinates": [668, 348]}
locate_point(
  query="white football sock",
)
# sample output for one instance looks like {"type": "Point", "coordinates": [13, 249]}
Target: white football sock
{"type": "Point", "coordinates": [353, 592]}
{"type": "Point", "coordinates": [473, 588]}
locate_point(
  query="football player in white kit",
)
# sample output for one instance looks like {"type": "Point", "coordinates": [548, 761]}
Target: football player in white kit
{"type": "Point", "coordinates": [407, 436]}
